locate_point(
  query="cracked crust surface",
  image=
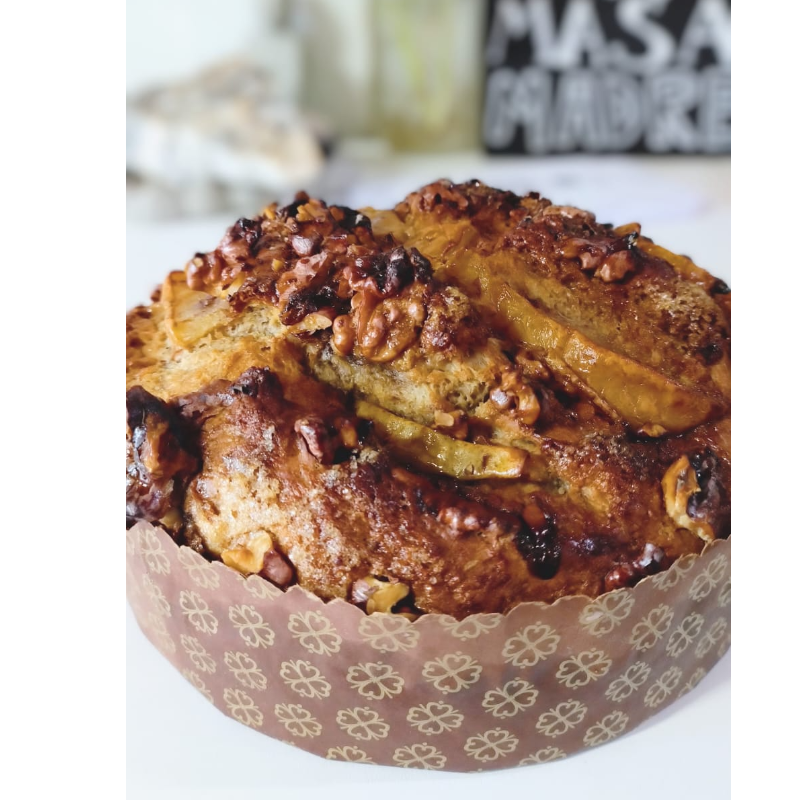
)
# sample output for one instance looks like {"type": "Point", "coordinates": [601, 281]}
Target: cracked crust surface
{"type": "Point", "coordinates": [483, 397]}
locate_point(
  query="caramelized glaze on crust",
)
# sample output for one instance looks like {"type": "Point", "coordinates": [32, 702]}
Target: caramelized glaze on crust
{"type": "Point", "coordinates": [475, 399]}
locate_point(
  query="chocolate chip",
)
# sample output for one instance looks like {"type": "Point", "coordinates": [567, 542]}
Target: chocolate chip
{"type": "Point", "coordinates": [277, 569]}
{"type": "Point", "coordinates": [422, 267]}
{"type": "Point", "coordinates": [297, 308]}
{"type": "Point", "coordinates": [711, 353]}
{"type": "Point", "coordinates": [540, 548]}
{"type": "Point", "coordinates": [394, 272]}
{"type": "Point", "coordinates": [247, 229]}
{"type": "Point", "coordinates": [252, 382]}
{"type": "Point", "coordinates": [290, 210]}
{"type": "Point", "coordinates": [593, 545]}
{"type": "Point", "coordinates": [630, 239]}
{"type": "Point", "coordinates": [720, 287]}
{"type": "Point", "coordinates": [711, 497]}
{"type": "Point", "coordinates": [650, 560]}
{"type": "Point", "coordinates": [620, 577]}
{"type": "Point", "coordinates": [352, 219]}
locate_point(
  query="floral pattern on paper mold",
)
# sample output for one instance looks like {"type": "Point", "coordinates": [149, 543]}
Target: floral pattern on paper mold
{"type": "Point", "coordinates": [488, 692]}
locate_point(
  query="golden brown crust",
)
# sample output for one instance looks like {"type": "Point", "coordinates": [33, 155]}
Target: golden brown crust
{"type": "Point", "coordinates": [550, 400]}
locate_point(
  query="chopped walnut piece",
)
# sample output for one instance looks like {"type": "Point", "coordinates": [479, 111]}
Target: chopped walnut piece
{"type": "Point", "coordinates": [516, 395]}
{"type": "Point", "coordinates": [158, 463]}
{"type": "Point", "coordinates": [249, 559]}
{"type": "Point", "coordinates": [386, 597]}
{"type": "Point", "coordinates": [679, 484]}
{"type": "Point", "coordinates": [616, 266]}
{"type": "Point", "coordinates": [454, 423]}
{"type": "Point", "coordinates": [609, 256]}
{"type": "Point", "coordinates": [380, 595]}
{"type": "Point", "coordinates": [314, 434]}
{"type": "Point", "coordinates": [344, 335]}
{"type": "Point", "coordinates": [259, 557]}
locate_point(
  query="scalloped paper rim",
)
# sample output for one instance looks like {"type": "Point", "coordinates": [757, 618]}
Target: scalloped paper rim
{"type": "Point", "coordinates": [437, 661]}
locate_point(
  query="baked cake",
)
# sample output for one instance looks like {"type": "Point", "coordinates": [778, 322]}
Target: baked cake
{"type": "Point", "coordinates": [467, 402]}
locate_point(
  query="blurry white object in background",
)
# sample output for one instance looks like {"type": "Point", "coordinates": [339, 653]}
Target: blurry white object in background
{"type": "Point", "coordinates": [230, 134]}
{"type": "Point", "coordinates": [220, 130]}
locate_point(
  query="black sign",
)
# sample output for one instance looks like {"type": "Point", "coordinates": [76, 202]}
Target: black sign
{"type": "Point", "coordinates": [608, 76]}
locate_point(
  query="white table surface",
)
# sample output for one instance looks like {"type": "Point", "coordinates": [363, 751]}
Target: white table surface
{"type": "Point", "coordinates": [179, 746]}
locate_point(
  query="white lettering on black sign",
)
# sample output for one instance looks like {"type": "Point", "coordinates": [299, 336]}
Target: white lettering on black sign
{"type": "Point", "coordinates": [608, 76]}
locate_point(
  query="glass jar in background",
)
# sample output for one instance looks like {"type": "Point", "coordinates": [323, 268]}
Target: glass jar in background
{"type": "Point", "coordinates": [427, 93]}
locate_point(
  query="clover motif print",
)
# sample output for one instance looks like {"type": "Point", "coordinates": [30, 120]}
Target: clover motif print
{"type": "Point", "coordinates": [696, 677]}
{"type": "Point", "coordinates": [198, 613]}
{"type": "Point", "coordinates": [199, 656]}
{"type": "Point", "coordinates": [675, 574]}
{"type": "Point", "coordinates": [543, 756]}
{"type": "Point", "coordinates": [630, 681]}
{"type": "Point", "coordinates": [711, 637]}
{"type": "Point", "coordinates": [421, 756]}
{"type": "Point", "coordinates": [200, 571]}
{"type": "Point", "coordinates": [663, 687]}
{"type": "Point", "coordinates": [375, 681]}
{"type": "Point", "coordinates": [198, 683]}
{"type": "Point", "coordinates": [472, 627]}
{"type": "Point", "coordinates": [531, 645]}
{"type": "Point", "coordinates": [434, 718]}
{"type": "Point", "coordinates": [242, 707]}
{"type": "Point", "coordinates": [158, 628]}
{"type": "Point", "coordinates": [601, 616]}
{"type": "Point", "coordinates": [130, 542]}
{"type": "Point", "coordinates": [684, 634]}
{"type": "Point", "coordinates": [251, 626]}
{"type": "Point", "coordinates": [315, 633]}
{"type": "Point", "coordinates": [353, 754]}
{"type": "Point", "coordinates": [491, 745]}
{"type": "Point", "coordinates": [562, 718]}
{"type": "Point", "coordinates": [297, 720]}
{"type": "Point", "coordinates": [611, 726]}
{"type": "Point", "coordinates": [362, 723]}
{"type": "Point", "coordinates": [305, 679]}
{"type": "Point", "coordinates": [153, 592]}
{"type": "Point", "coordinates": [652, 628]}
{"type": "Point", "coordinates": [583, 668]}
{"type": "Point", "coordinates": [258, 586]}
{"type": "Point", "coordinates": [708, 579]}
{"type": "Point", "coordinates": [245, 670]}
{"type": "Point", "coordinates": [388, 633]}
{"type": "Point", "coordinates": [452, 672]}
{"type": "Point", "coordinates": [724, 596]}
{"type": "Point", "coordinates": [506, 701]}
{"type": "Point", "coordinates": [153, 553]}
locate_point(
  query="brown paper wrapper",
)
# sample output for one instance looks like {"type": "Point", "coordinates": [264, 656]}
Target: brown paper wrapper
{"type": "Point", "coordinates": [489, 692]}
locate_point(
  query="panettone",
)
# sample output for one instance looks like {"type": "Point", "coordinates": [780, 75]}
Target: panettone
{"type": "Point", "coordinates": [468, 402]}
